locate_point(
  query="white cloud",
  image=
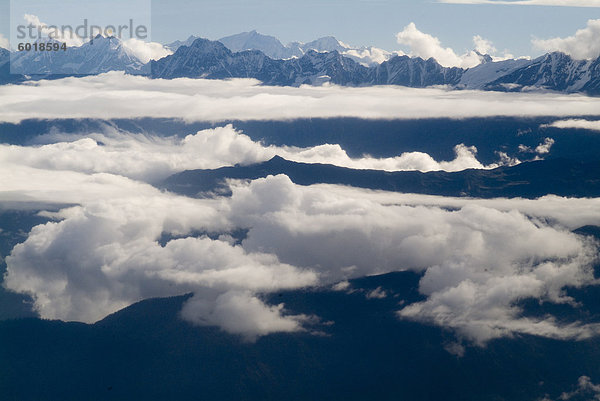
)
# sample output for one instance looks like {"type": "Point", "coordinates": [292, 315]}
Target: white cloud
{"type": "Point", "coordinates": [570, 213]}
{"type": "Point", "coordinates": [544, 148]}
{"type": "Point", "coordinates": [370, 55]}
{"type": "Point", "coordinates": [585, 390]}
{"type": "Point", "coordinates": [585, 387]}
{"type": "Point", "coordinates": [4, 42]}
{"type": "Point", "coordinates": [483, 46]}
{"type": "Point", "coordinates": [558, 3]}
{"type": "Point", "coordinates": [334, 154]}
{"type": "Point", "coordinates": [575, 123]}
{"type": "Point", "coordinates": [377, 293]}
{"type": "Point", "coordinates": [342, 286]}
{"type": "Point", "coordinates": [69, 37]}
{"type": "Point", "coordinates": [152, 159]}
{"type": "Point", "coordinates": [241, 312]}
{"type": "Point", "coordinates": [426, 46]}
{"type": "Point", "coordinates": [490, 258]}
{"type": "Point", "coordinates": [137, 156]}
{"type": "Point", "coordinates": [584, 45]}
{"type": "Point", "coordinates": [104, 256]}
{"type": "Point", "coordinates": [116, 95]}
{"type": "Point", "coordinates": [478, 256]}
{"type": "Point", "coordinates": [145, 51]}
{"type": "Point", "coordinates": [456, 349]}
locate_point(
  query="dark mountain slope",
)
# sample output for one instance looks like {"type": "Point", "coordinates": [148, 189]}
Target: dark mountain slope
{"type": "Point", "coordinates": [146, 352]}
{"type": "Point", "coordinates": [528, 180]}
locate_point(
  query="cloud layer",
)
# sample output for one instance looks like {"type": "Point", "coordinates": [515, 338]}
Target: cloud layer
{"type": "Point", "coordinates": [122, 240]}
{"type": "Point", "coordinates": [477, 257]}
{"type": "Point", "coordinates": [576, 123]}
{"type": "Point", "coordinates": [152, 159]}
{"type": "Point", "coordinates": [116, 95]}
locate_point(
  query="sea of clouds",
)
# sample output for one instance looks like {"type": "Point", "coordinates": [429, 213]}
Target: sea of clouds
{"type": "Point", "coordinates": [107, 250]}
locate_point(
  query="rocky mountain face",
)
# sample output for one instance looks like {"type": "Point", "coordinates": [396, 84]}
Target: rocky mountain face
{"type": "Point", "coordinates": [212, 60]}
{"type": "Point", "coordinates": [414, 72]}
{"type": "Point", "coordinates": [478, 77]}
{"type": "Point", "coordinates": [207, 59]}
{"type": "Point", "coordinates": [5, 74]}
{"type": "Point", "coordinates": [553, 71]}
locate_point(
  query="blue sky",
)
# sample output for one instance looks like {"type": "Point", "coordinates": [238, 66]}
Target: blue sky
{"type": "Point", "coordinates": [358, 22]}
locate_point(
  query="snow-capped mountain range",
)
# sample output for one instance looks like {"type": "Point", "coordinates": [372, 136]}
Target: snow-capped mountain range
{"type": "Point", "coordinates": [273, 48]}
{"type": "Point", "coordinates": [252, 55]}
{"type": "Point", "coordinates": [213, 60]}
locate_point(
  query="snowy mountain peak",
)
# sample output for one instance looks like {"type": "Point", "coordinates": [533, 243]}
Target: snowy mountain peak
{"type": "Point", "coordinates": [326, 44]}
{"type": "Point", "coordinates": [484, 58]}
{"type": "Point", "coordinates": [273, 48]}
{"type": "Point", "coordinates": [205, 46]}
{"type": "Point", "coordinates": [173, 46]}
{"type": "Point", "coordinates": [101, 54]}
{"type": "Point", "coordinates": [269, 45]}
{"type": "Point", "coordinates": [106, 42]}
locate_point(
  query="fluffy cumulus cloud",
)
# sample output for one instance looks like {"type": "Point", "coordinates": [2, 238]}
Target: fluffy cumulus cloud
{"type": "Point", "coordinates": [585, 390]}
{"type": "Point", "coordinates": [145, 51]}
{"type": "Point", "coordinates": [370, 55]}
{"type": "Point", "coordinates": [592, 125]}
{"type": "Point", "coordinates": [477, 257]}
{"type": "Point", "coordinates": [541, 150]}
{"type": "Point", "coordinates": [152, 159]}
{"type": "Point", "coordinates": [242, 312]}
{"type": "Point", "coordinates": [68, 36]}
{"type": "Point", "coordinates": [544, 148]}
{"type": "Point", "coordinates": [116, 95]}
{"type": "Point", "coordinates": [477, 261]}
{"type": "Point", "coordinates": [426, 46]}
{"type": "Point", "coordinates": [103, 256]}
{"type": "Point", "coordinates": [584, 45]}
{"type": "Point", "coordinates": [483, 46]}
